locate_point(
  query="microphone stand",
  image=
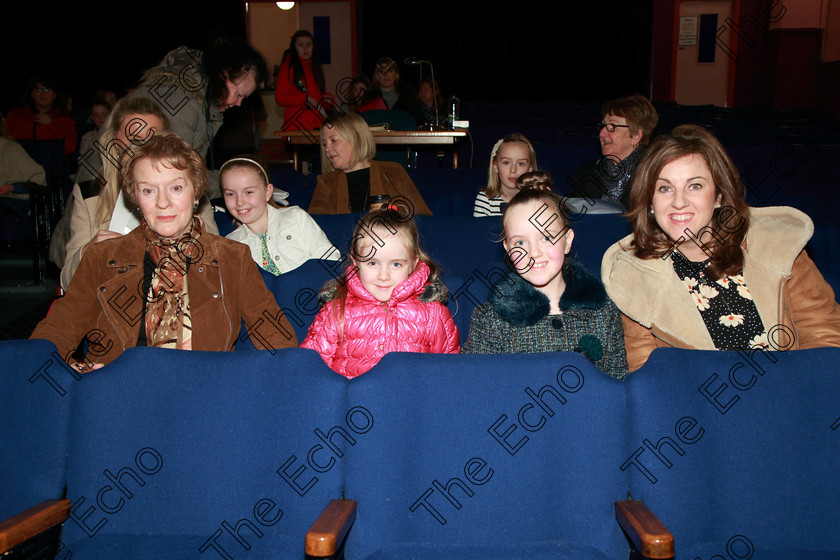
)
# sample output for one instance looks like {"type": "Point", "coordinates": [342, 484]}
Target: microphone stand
{"type": "Point", "coordinates": [417, 62]}
{"type": "Point", "coordinates": [435, 96]}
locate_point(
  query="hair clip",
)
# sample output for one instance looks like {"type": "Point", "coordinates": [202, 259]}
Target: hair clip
{"type": "Point", "coordinates": [496, 147]}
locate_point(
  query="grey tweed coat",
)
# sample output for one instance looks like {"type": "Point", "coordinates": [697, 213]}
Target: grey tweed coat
{"type": "Point", "coordinates": [516, 319]}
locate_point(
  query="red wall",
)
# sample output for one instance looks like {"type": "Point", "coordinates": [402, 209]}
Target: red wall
{"type": "Point", "coordinates": [663, 60]}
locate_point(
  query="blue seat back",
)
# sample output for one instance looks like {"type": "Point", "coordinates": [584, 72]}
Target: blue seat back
{"type": "Point", "coordinates": [563, 161]}
{"type": "Point", "coordinates": [747, 445]}
{"type": "Point", "coordinates": [456, 425]}
{"type": "Point", "coordinates": [49, 154]}
{"type": "Point", "coordinates": [169, 444]}
{"type": "Point", "coordinates": [35, 389]}
{"type": "Point", "coordinates": [296, 293]}
{"type": "Point", "coordinates": [293, 182]}
{"type": "Point", "coordinates": [449, 192]}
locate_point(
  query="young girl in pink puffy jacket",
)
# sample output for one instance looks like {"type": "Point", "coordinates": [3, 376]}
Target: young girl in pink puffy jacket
{"type": "Point", "coordinates": [390, 300]}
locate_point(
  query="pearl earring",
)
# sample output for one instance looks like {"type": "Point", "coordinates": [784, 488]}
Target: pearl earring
{"type": "Point", "coordinates": [651, 211]}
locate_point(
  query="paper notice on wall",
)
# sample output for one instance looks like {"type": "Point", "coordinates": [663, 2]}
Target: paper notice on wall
{"type": "Point", "coordinates": [123, 219]}
{"type": "Point", "coordinates": [688, 31]}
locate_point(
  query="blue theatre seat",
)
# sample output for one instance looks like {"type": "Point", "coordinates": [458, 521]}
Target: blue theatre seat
{"type": "Point", "coordinates": [748, 451]}
{"type": "Point", "coordinates": [563, 161]}
{"type": "Point", "coordinates": [295, 183]}
{"type": "Point", "coordinates": [450, 192]}
{"type": "Point", "coordinates": [35, 392]}
{"type": "Point", "coordinates": [451, 469]}
{"type": "Point", "coordinates": [173, 453]}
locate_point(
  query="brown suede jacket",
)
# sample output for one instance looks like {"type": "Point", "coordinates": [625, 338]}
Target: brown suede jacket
{"type": "Point", "coordinates": [104, 300]}
{"type": "Point", "coordinates": [788, 290]}
{"type": "Point", "coordinates": [386, 177]}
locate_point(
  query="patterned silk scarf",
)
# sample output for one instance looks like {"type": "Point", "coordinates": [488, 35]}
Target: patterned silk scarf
{"type": "Point", "coordinates": [168, 321]}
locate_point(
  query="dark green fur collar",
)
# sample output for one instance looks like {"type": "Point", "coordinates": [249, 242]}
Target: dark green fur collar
{"type": "Point", "coordinates": [517, 302]}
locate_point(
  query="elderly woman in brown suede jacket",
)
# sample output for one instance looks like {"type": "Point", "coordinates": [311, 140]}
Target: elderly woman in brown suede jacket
{"type": "Point", "coordinates": [703, 270]}
{"type": "Point", "coordinates": [169, 283]}
{"type": "Point", "coordinates": [351, 177]}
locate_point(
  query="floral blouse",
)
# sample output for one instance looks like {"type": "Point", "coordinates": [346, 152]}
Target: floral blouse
{"type": "Point", "coordinates": [725, 304]}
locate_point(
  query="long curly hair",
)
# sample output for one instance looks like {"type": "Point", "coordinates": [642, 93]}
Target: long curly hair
{"type": "Point", "coordinates": [650, 241]}
{"type": "Point", "coordinates": [233, 59]}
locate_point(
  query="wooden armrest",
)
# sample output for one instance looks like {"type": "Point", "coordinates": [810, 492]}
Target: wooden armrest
{"type": "Point", "coordinates": [651, 538]}
{"type": "Point", "coordinates": [325, 536]}
{"type": "Point", "coordinates": [32, 522]}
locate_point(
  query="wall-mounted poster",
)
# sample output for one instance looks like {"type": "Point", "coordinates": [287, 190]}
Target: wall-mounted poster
{"type": "Point", "coordinates": [688, 31]}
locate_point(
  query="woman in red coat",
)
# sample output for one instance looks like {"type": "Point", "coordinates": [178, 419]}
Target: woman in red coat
{"type": "Point", "coordinates": [38, 119]}
{"type": "Point", "coordinates": [300, 83]}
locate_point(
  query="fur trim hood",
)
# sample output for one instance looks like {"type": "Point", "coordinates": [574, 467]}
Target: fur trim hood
{"type": "Point", "coordinates": [435, 291]}
{"type": "Point", "coordinates": [517, 302]}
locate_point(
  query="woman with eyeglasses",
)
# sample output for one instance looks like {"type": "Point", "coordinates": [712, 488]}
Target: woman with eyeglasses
{"type": "Point", "coordinates": [39, 119]}
{"type": "Point", "coordinates": [625, 130]}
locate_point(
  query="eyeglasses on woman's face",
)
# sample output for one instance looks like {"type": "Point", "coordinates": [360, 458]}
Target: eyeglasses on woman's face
{"type": "Point", "coordinates": [610, 126]}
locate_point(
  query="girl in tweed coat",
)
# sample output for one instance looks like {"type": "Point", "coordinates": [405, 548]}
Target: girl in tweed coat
{"type": "Point", "coordinates": [550, 304]}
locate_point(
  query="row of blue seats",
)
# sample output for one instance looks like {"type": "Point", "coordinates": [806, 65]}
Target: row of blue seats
{"type": "Point", "coordinates": [172, 454]}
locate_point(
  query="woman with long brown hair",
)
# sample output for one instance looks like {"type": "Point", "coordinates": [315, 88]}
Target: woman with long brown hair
{"type": "Point", "coordinates": [703, 270]}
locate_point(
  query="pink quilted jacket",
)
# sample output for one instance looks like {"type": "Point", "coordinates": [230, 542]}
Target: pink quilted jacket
{"type": "Point", "coordinates": [413, 320]}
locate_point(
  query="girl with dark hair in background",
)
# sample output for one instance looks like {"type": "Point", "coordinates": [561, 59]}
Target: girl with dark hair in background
{"type": "Point", "coordinates": [428, 91]}
{"type": "Point", "coordinates": [300, 82]}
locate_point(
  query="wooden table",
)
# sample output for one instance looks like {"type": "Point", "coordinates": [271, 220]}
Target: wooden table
{"type": "Point", "coordinates": [382, 137]}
